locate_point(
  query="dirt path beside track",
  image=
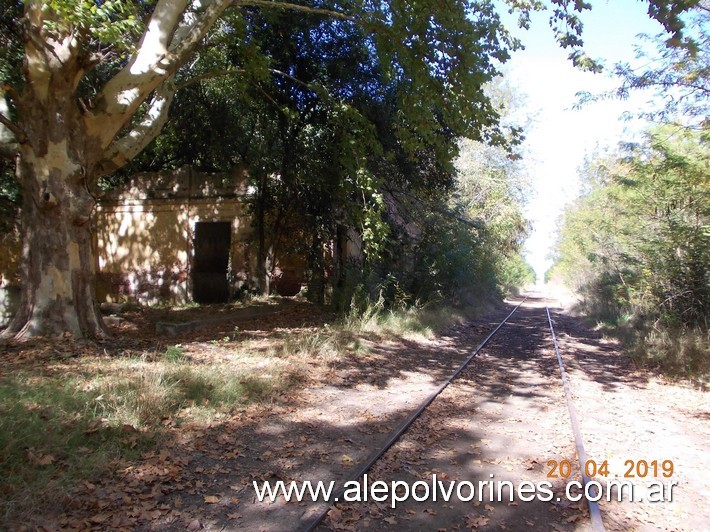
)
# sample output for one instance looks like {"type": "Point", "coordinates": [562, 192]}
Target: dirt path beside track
{"type": "Point", "coordinates": [629, 417]}
{"type": "Point", "coordinates": [503, 420]}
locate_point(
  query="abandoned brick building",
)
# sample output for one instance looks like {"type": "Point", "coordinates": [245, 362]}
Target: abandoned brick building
{"type": "Point", "coordinates": [181, 236]}
{"type": "Point", "coordinates": [176, 237]}
{"type": "Point", "coordinates": [169, 236]}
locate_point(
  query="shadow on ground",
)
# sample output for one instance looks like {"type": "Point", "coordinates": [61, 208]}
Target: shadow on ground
{"type": "Point", "coordinates": [201, 476]}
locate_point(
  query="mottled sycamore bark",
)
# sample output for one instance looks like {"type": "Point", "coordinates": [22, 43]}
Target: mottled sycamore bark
{"type": "Point", "coordinates": [63, 147]}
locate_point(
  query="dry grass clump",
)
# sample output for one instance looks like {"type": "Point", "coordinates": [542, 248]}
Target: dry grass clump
{"type": "Point", "coordinates": [76, 420]}
{"type": "Point", "coordinates": [678, 352]}
{"type": "Point", "coordinates": [78, 417]}
{"type": "Point", "coordinates": [415, 322]}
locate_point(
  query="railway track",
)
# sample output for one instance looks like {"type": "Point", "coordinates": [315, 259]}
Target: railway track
{"type": "Point", "coordinates": [316, 515]}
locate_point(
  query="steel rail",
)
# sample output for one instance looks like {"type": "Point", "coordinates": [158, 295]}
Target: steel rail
{"type": "Point", "coordinates": [313, 522]}
{"type": "Point", "coordinates": [594, 512]}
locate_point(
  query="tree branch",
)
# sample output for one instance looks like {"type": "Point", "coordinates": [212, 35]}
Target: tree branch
{"type": "Point", "coordinates": [8, 150]}
{"type": "Point", "coordinates": [269, 4]}
{"type": "Point", "coordinates": [157, 36]}
{"type": "Point", "coordinates": [233, 71]}
{"type": "Point", "coordinates": [132, 143]}
{"type": "Point", "coordinates": [291, 78]}
{"type": "Point", "coordinates": [190, 22]}
{"type": "Point", "coordinates": [19, 135]}
{"type": "Point", "coordinates": [476, 224]}
{"type": "Point", "coordinates": [165, 46]}
{"type": "Point", "coordinates": [188, 36]}
{"type": "Point", "coordinates": [209, 75]}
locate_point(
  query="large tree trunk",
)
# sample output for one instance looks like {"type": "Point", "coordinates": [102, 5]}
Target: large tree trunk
{"type": "Point", "coordinates": [263, 268]}
{"type": "Point", "coordinates": [54, 168]}
{"type": "Point", "coordinates": [58, 266]}
{"type": "Point", "coordinates": [65, 145]}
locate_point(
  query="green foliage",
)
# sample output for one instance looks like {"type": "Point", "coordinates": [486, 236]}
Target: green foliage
{"type": "Point", "coordinates": [117, 23]}
{"type": "Point", "coordinates": [449, 262]}
{"type": "Point", "coordinates": [638, 243]}
{"type": "Point", "coordinates": [678, 73]}
{"type": "Point", "coordinates": [670, 189]}
{"type": "Point", "coordinates": [11, 50]}
{"type": "Point", "coordinates": [374, 228]}
{"type": "Point", "coordinates": [455, 226]}
{"type": "Point", "coordinates": [335, 112]}
{"type": "Point", "coordinates": [174, 353]}
{"type": "Point", "coordinates": [514, 273]}
{"type": "Point", "coordinates": [9, 198]}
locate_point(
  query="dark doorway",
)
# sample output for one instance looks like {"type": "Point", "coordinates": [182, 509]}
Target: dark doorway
{"type": "Point", "coordinates": [211, 262]}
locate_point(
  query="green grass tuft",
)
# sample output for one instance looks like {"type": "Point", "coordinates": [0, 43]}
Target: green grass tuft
{"type": "Point", "coordinates": [174, 353]}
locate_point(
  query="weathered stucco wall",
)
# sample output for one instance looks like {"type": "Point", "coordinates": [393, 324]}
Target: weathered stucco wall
{"type": "Point", "coordinates": [145, 234]}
